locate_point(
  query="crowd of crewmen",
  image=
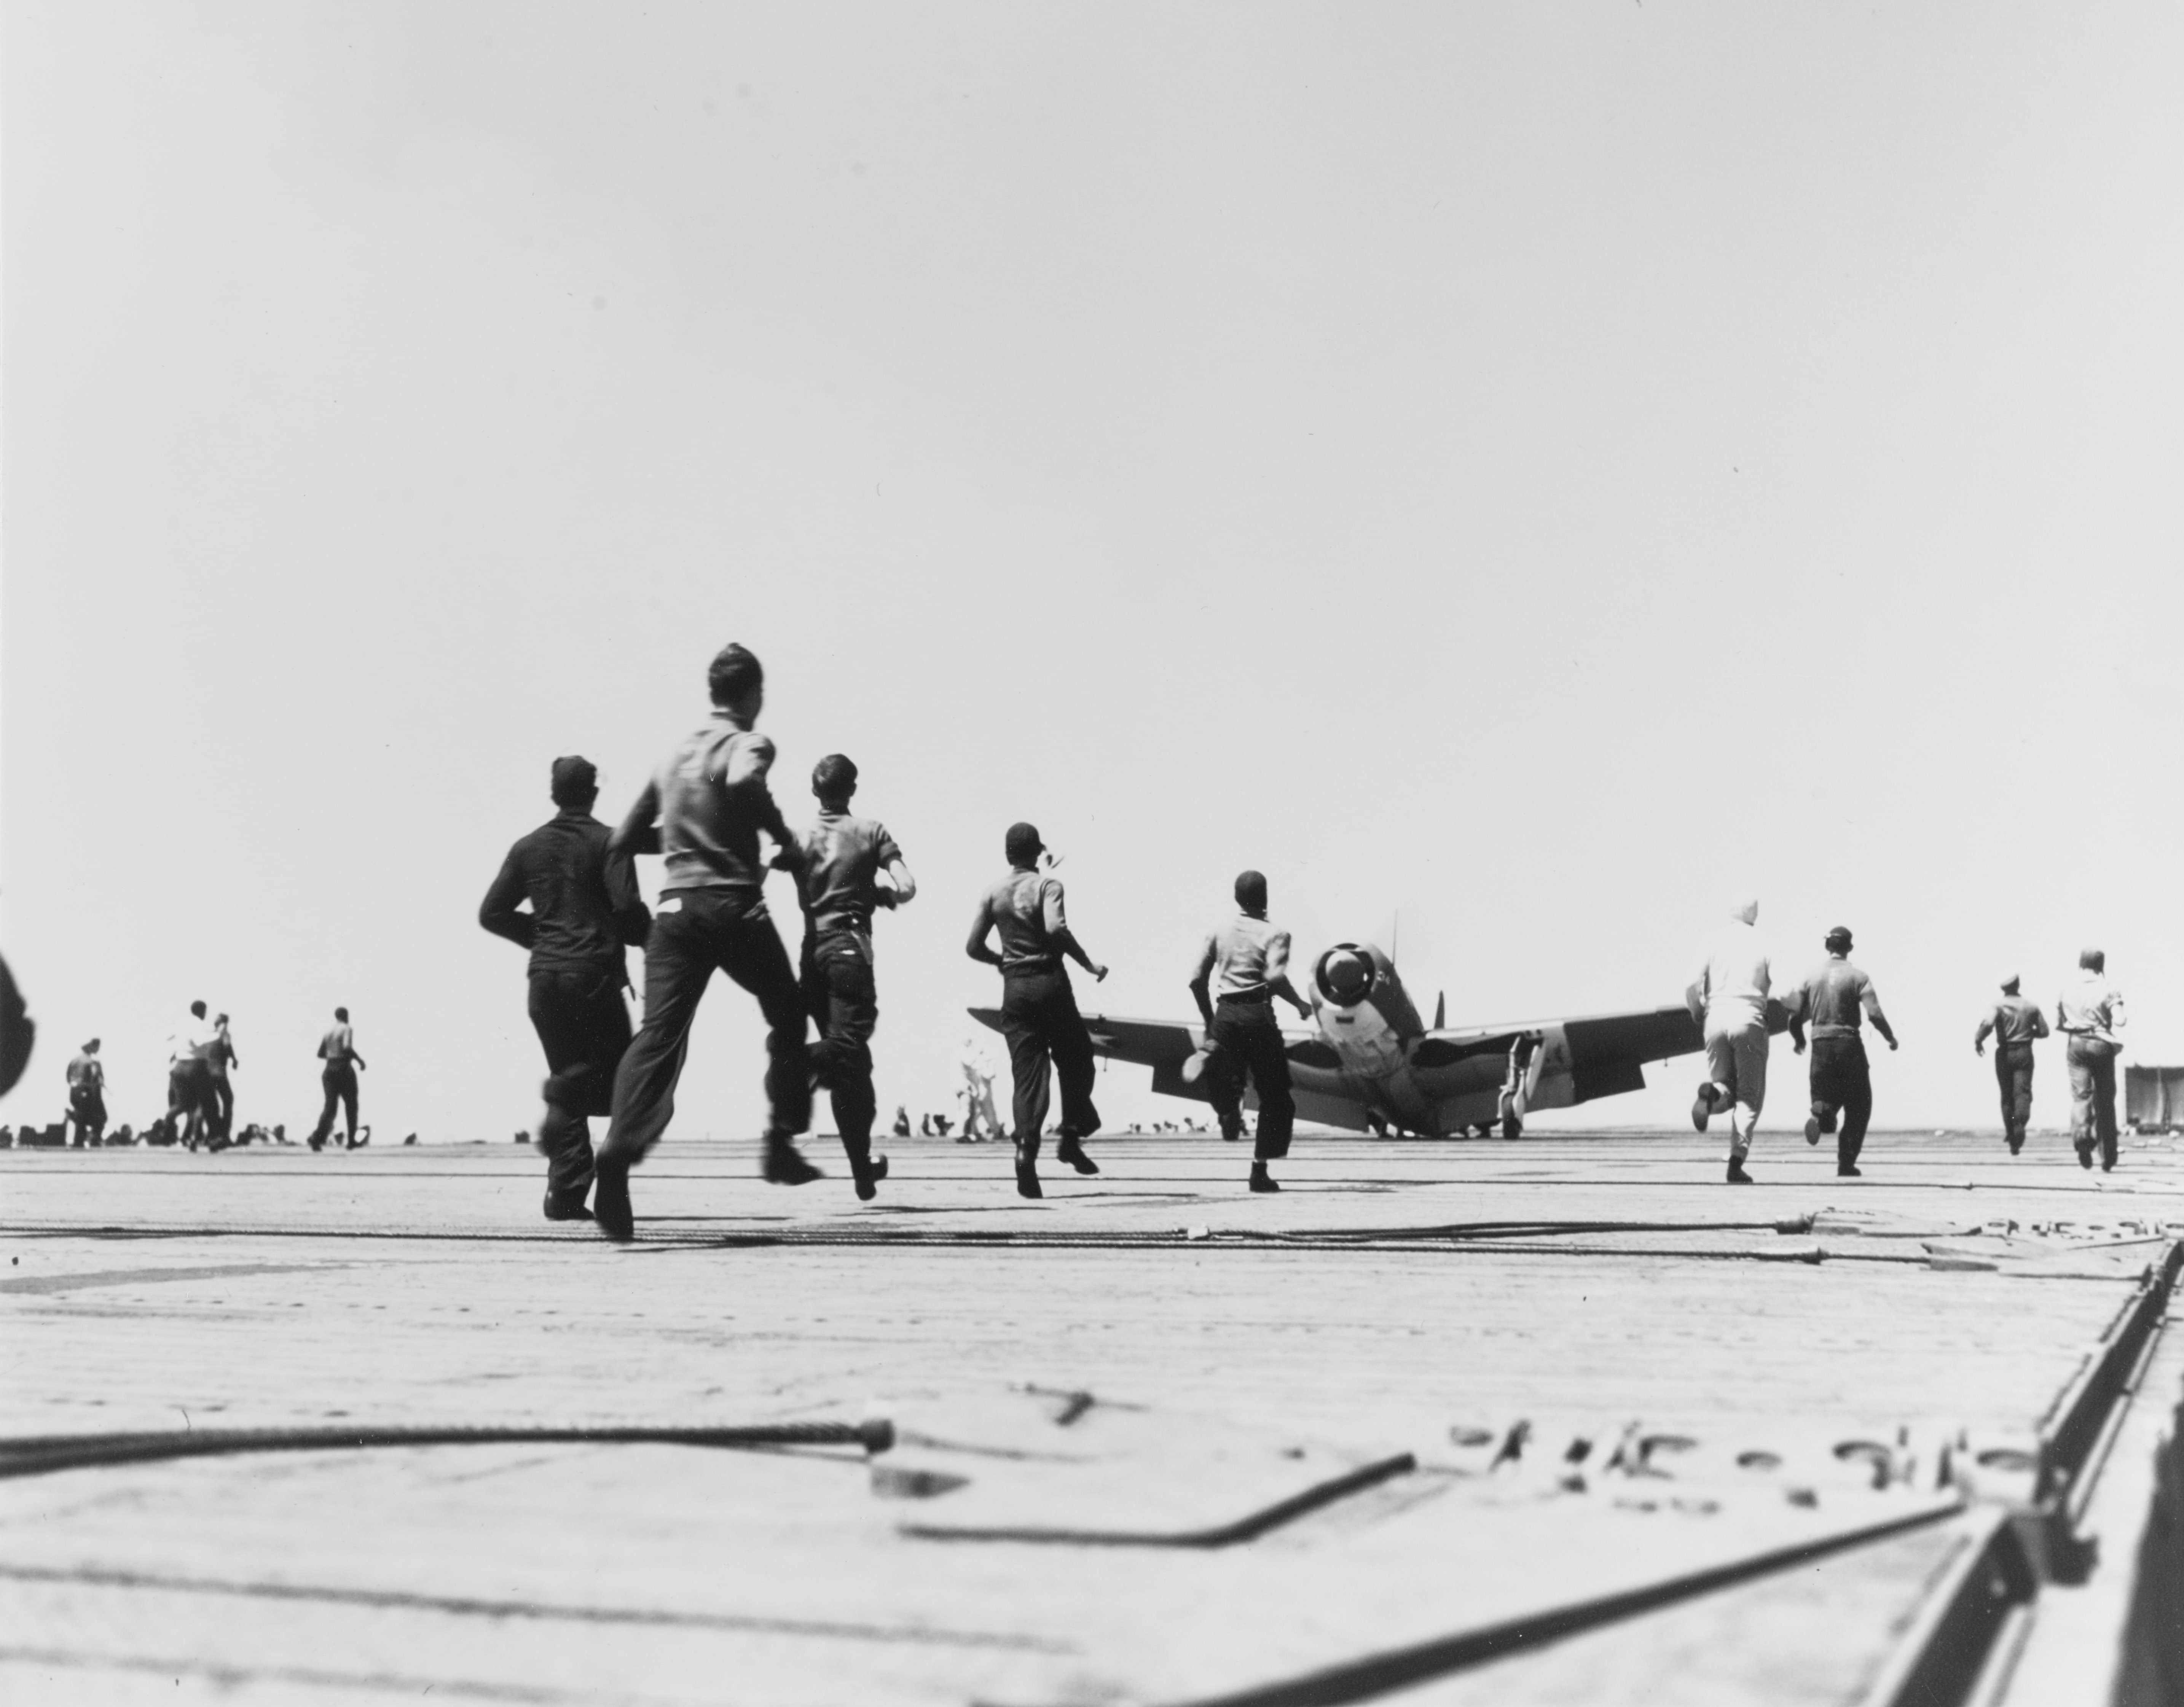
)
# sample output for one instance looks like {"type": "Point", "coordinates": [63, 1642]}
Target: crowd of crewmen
{"type": "Point", "coordinates": [1733, 999]}
{"type": "Point", "coordinates": [200, 1114]}
{"type": "Point", "coordinates": [704, 811]}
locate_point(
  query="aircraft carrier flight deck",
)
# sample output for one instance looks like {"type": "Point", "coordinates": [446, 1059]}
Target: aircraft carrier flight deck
{"type": "Point", "coordinates": [1583, 1426]}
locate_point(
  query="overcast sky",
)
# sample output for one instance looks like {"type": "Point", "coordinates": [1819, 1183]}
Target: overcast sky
{"type": "Point", "coordinates": [1534, 469]}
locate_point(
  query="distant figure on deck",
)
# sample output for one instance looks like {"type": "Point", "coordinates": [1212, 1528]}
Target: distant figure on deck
{"type": "Point", "coordinates": [2090, 1014]}
{"type": "Point", "coordinates": [703, 811]}
{"type": "Point", "coordinates": [2015, 1023]}
{"type": "Point", "coordinates": [87, 1089]}
{"type": "Point", "coordinates": [1729, 1000]}
{"type": "Point", "coordinates": [901, 1121]}
{"type": "Point", "coordinates": [337, 1079]}
{"type": "Point", "coordinates": [1038, 1009]}
{"type": "Point", "coordinates": [222, 1059]}
{"type": "Point", "coordinates": [982, 1120]}
{"type": "Point", "coordinates": [192, 1112]}
{"type": "Point", "coordinates": [1244, 963]}
{"type": "Point", "coordinates": [585, 911]}
{"type": "Point", "coordinates": [843, 857]}
{"type": "Point", "coordinates": [1829, 1004]}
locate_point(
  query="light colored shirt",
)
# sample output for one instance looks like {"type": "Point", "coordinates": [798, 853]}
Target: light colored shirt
{"type": "Point", "coordinates": [2091, 1007]}
{"type": "Point", "coordinates": [1025, 908]}
{"type": "Point", "coordinates": [2012, 1020]}
{"type": "Point", "coordinates": [1831, 997]}
{"type": "Point", "coordinates": [191, 1041]}
{"type": "Point", "coordinates": [711, 801]}
{"type": "Point", "coordinates": [338, 1045]}
{"type": "Point", "coordinates": [1736, 971]}
{"type": "Point", "coordinates": [85, 1069]}
{"type": "Point", "coordinates": [1244, 953]}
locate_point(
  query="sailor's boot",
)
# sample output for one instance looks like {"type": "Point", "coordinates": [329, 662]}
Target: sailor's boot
{"type": "Point", "coordinates": [866, 1170]}
{"type": "Point", "coordinates": [1067, 1148]}
{"type": "Point", "coordinates": [785, 1165]}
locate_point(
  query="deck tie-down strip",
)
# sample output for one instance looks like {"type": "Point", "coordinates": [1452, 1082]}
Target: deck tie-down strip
{"type": "Point", "coordinates": [42, 1454]}
{"type": "Point", "coordinates": [1249, 1528]}
{"type": "Point", "coordinates": [1376, 1674]}
{"type": "Point", "coordinates": [545, 1611]}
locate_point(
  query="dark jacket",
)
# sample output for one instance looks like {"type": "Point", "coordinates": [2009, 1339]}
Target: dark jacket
{"type": "Point", "coordinates": [584, 904]}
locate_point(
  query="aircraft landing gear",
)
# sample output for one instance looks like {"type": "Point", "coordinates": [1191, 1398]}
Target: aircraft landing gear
{"type": "Point", "coordinates": [1512, 1127]}
{"type": "Point", "coordinates": [1485, 1129]}
{"type": "Point", "coordinates": [1376, 1125]}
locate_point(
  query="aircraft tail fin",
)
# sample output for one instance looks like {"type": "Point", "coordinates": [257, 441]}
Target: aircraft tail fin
{"type": "Point", "coordinates": [1440, 1011]}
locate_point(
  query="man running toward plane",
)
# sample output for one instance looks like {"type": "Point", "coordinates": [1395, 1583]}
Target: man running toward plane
{"type": "Point", "coordinates": [222, 1059]}
{"type": "Point", "coordinates": [2015, 1023]}
{"type": "Point", "coordinates": [1728, 999]}
{"type": "Point", "coordinates": [337, 1079]}
{"type": "Point", "coordinates": [585, 911]}
{"type": "Point", "coordinates": [192, 1112]}
{"type": "Point", "coordinates": [2090, 1014]}
{"type": "Point", "coordinates": [980, 1120]}
{"type": "Point", "coordinates": [1829, 1004]}
{"type": "Point", "coordinates": [703, 811]}
{"type": "Point", "coordinates": [1245, 964]}
{"type": "Point", "coordinates": [1038, 1009]}
{"type": "Point", "coordinates": [86, 1089]}
{"type": "Point", "coordinates": [843, 856]}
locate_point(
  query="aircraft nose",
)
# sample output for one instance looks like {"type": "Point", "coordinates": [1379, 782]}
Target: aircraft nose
{"type": "Point", "coordinates": [1346, 975]}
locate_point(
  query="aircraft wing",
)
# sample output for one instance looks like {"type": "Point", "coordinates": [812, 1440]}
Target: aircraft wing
{"type": "Point", "coordinates": [1606, 1050]}
{"type": "Point", "coordinates": [1149, 1042]}
{"type": "Point", "coordinates": [1164, 1045]}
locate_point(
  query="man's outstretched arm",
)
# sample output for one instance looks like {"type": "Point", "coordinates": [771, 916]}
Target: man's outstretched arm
{"type": "Point", "coordinates": [1278, 974]}
{"type": "Point", "coordinates": [981, 926]}
{"type": "Point", "coordinates": [905, 886]}
{"type": "Point", "coordinates": [639, 832]}
{"type": "Point", "coordinates": [1871, 1003]}
{"type": "Point", "coordinates": [1202, 983]}
{"type": "Point", "coordinates": [1058, 931]}
{"type": "Point", "coordinates": [497, 912]}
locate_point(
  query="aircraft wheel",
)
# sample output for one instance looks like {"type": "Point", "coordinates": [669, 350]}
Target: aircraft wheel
{"type": "Point", "coordinates": [1483, 1129]}
{"type": "Point", "coordinates": [1512, 1127]}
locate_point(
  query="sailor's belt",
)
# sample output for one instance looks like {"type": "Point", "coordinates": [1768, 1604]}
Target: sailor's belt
{"type": "Point", "coordinates": [1259, 996]}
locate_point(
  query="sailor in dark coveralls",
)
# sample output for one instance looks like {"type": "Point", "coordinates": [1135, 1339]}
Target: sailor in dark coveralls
{"type": "Point", "coordinates": [1038, 1009]}
{"type": "Point", "coordinates": [86, 1089]}
{"type": "Point", "coordinates": [703, 811]}
{"type": "Point", "coordinates": [1828, 1005]}
{"type": "Point", "coordinates": [584, 910]}
{"type": "Point", "coordinates": [2015, 1023]}
{"type": "Point", "coordinates": [1245, 962]}
{"type": "Point", "coordinates": [843, 856]}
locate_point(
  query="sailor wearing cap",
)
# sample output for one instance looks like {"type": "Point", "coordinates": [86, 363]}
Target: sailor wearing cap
{"type": "Point", "coordinates": [1038, 1009]}
{"type": "Point", "coordinates": [2015, 1023]}
{"type": "Point", "coordinates": [584, 910]}
{"type": "Point", "coordinates": [1828, 1005]}
{"type": "Point", "coordinates": [1246, 962]}
{"type": "Point", "coordinates": [86, 1089]}
{"type": "Point", "coordinates": [839, 886]}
